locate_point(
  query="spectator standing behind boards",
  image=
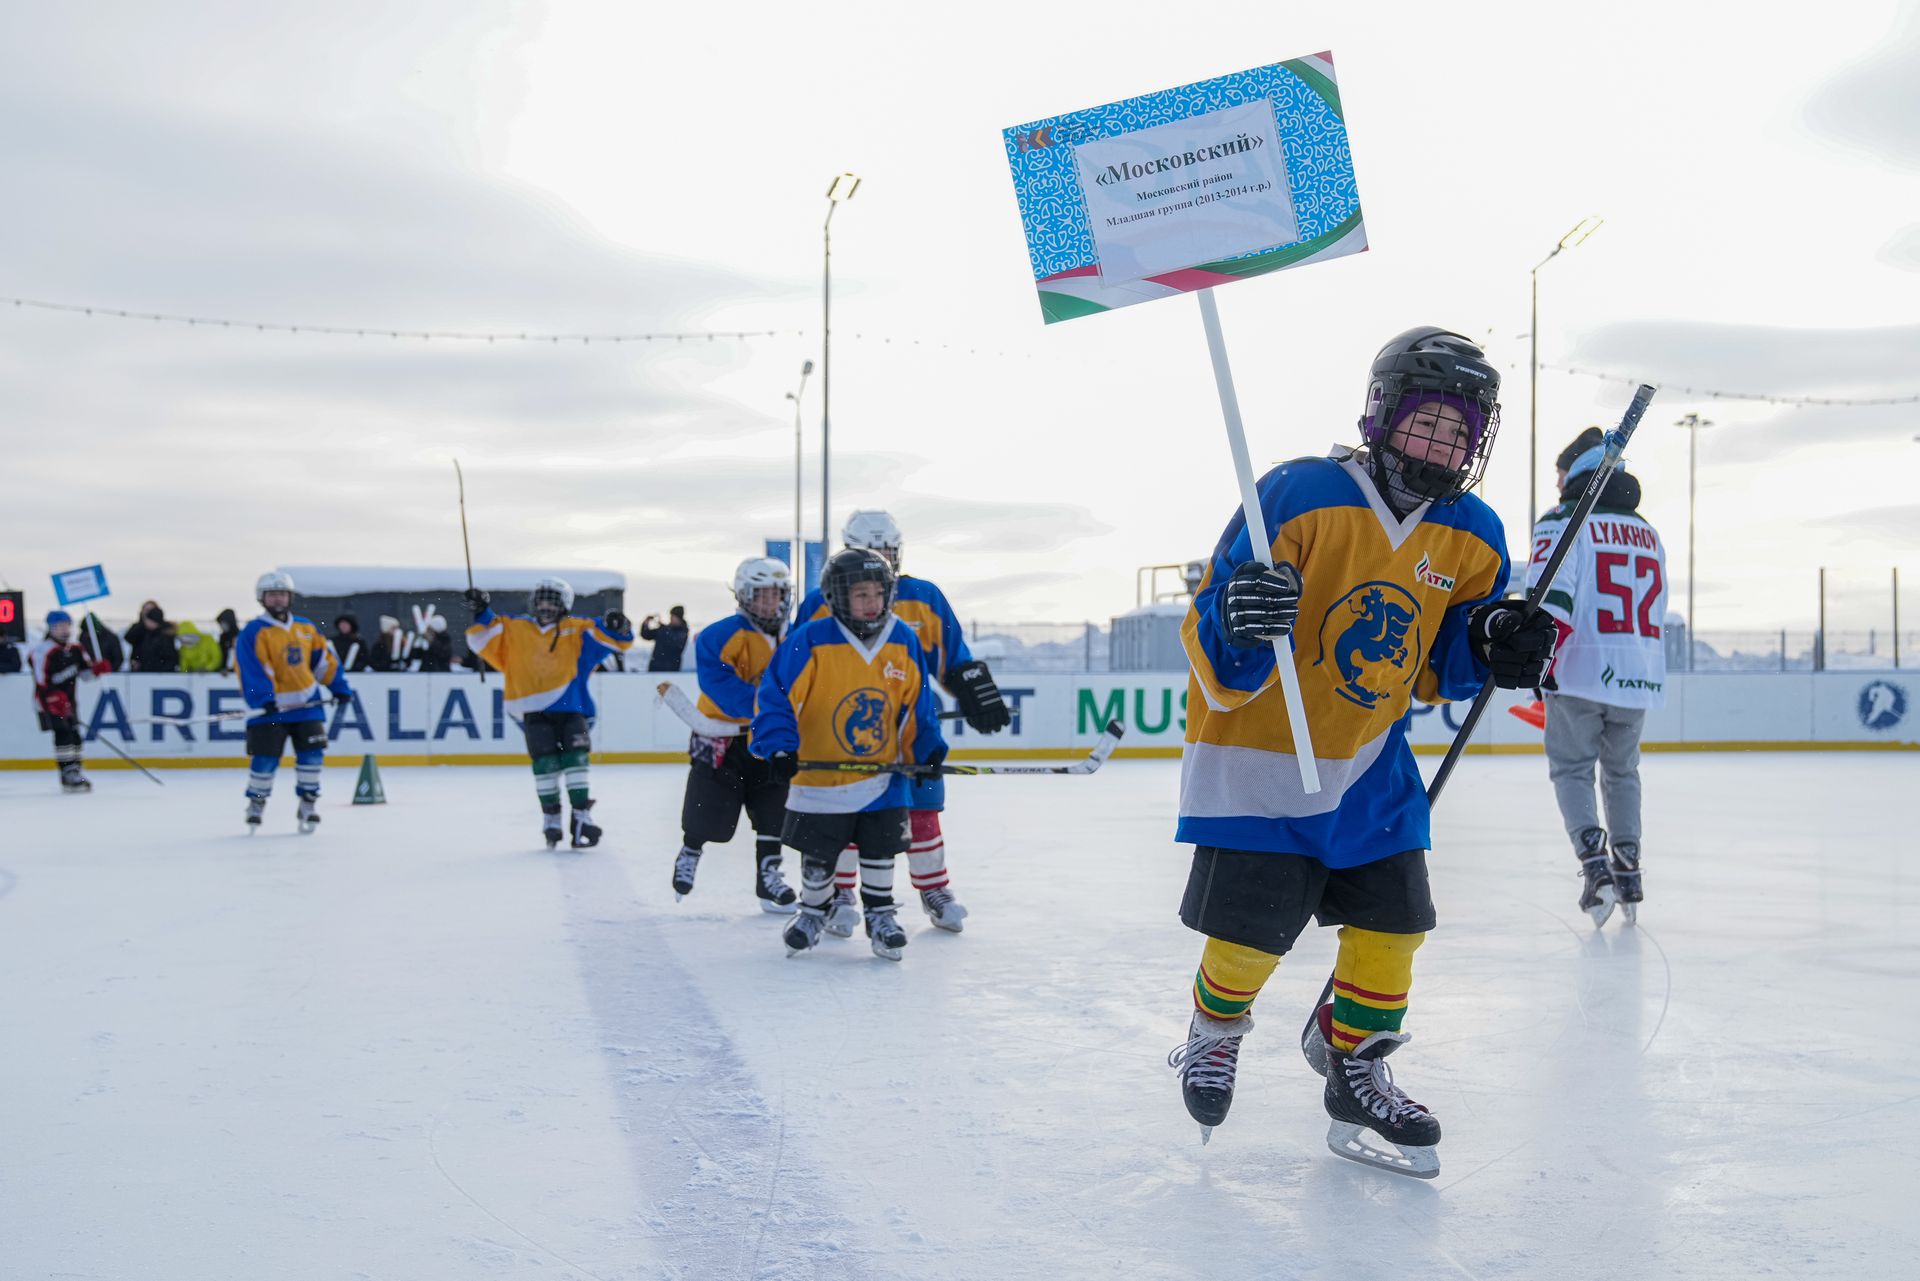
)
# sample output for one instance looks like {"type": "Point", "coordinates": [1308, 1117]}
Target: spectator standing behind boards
{"type": "Point", "coordinates": [199, 651]}
{"type": "Point", "coordinates": [150, 642]}
{"type": "Point", "coordinates": [433, 648]}
{"type": "Point", "coordinates": [348, 645]}
{"type": "Point", "coordinates": [1610, 668]}
{"type": "Point", "coordinates": [229, 633]}
{"type": "Point", "coordinates": [669, 639]}
{"type": "Point", "coordinates": [387, 652]}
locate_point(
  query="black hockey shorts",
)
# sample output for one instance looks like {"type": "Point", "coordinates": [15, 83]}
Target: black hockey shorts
{"type": "Point", "coordinates": [711, 810]}
{"type": "Point", "coordinates": [65, 729]}
{"type": "Point", "coordinates": [821, 837]}
{"type": "Point", "coordinates": [1264, 901]}
{"type": "Point", "coordinates": [551, 733]}
{"type": "Point", "coordinates": [271, 740]}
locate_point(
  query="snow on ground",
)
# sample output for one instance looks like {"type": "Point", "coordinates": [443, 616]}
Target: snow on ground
{"type": "Point", "coordinates": [415, 1045]}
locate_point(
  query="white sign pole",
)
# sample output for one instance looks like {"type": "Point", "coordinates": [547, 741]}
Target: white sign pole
{"type": "Point", "coordinates": [1257, 533]}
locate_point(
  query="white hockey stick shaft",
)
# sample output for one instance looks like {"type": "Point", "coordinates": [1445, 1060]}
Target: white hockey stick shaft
{"type": "Point", "coordinates": [1258, 536]}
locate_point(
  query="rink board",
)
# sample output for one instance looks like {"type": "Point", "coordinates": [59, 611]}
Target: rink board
{"type": "Point", "coordinates": [455, 719]}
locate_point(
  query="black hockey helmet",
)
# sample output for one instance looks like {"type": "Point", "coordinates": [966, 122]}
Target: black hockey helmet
{"type": "Point", "coordinates": [847, 568]}
{"type": "Point", "coordinates": [1448, 374]}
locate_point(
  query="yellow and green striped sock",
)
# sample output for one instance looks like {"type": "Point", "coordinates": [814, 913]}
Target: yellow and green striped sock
{"type": "Point", "coordinates": [1229, 977]}
{"type": "Point", "coordinates": [1371, 979]}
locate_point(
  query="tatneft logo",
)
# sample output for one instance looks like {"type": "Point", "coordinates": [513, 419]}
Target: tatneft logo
{"type": "Point", "coordinates": [1613, 680]}
{"type": "Point", "coordinates": [1881, 704]}
{"type": "Point", "coordinates": [1425, 572]}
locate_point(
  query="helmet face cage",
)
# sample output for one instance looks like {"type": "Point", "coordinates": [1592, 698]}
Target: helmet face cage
{"type": "Point", "coordinates": [1439, 381]}
{"type": "Point", "coordinates": [848, 569]}
{"type": "Point", "coordinates": [549, 599]}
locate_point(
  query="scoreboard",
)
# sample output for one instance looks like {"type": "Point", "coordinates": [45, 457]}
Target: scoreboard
{"type": "Point", "coordinates": [13, 617]}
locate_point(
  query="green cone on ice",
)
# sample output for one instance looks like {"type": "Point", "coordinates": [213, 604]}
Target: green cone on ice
{"type": "Point", "coordinates": [368, 790]}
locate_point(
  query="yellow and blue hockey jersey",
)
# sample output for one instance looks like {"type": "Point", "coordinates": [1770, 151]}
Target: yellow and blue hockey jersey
{"type": "Point", "coordinates": [731, 656]}
{"type": "Point", "coordinates": [922, 607]}
{"type": "Point", "coordinates": [545, 668]}
{"type": "Point", "coordinates": [828, 697]}
{"type": "Point", "coordinates": [1383, 620]}
{"type": "Point", "coordinates": [286, 664]}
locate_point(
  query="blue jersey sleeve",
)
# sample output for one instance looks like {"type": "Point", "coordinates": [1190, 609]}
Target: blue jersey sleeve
{"type": "Point", "coordinates": [813, 603]}
{"type": "Point", "coordinates": [718, 680]}
{"type": "Point", "coordinates": [775, 727]}
{"type": "Point", "coordinates": [256, 682]}
{"type": "Point", "coordinates": [953, 640]}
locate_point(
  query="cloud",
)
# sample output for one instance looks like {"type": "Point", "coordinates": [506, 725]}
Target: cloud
{"type": "Point", "coordinates": [1898, 523]}
{"type": "Point", "coordinates": [1875, 103]}
{"type": "Point", "coordinates": [1902, 249]}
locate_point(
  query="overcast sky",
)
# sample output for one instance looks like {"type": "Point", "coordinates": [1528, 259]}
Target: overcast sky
{"type": "Point", "coordinates": [611, 167]}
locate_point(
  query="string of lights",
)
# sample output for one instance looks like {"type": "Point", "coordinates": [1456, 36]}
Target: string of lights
{"type": "Point", "coordinates": [1710, 393]}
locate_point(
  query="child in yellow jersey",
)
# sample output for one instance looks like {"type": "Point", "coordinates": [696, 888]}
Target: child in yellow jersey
{"type": "Point", "coordinates": [851, 691]}
{"type": "Point", "coordinates": [546, 656]}
{"type": "Point", "coordinates": [283, 662]}
{"type": "Point", "coordinates": [1388, 576]}
{"type": "Point", "coordinates": [731, 656]}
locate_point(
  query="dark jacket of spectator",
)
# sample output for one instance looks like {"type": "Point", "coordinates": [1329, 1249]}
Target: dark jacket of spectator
{"type": "Point", "coordinates": [669, 639]}
{"type": "Point", "coordinates": [229, 633]}
{"type": "Point", "coordinates": [9, 658]}
{"type": "Point", "coordinates": [349, 646]}
{"type": "Point", "coordinates": [434, 648]}
{"type": "Point", "coordinates": [150, 642]}
{"type": "Point", "coordinates": [391, 649]}
{"type": "Point", "coordinates": [100, 642]}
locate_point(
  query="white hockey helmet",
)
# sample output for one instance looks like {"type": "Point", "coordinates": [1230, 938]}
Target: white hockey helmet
{"type": "Point", "coordinates": [274, 580]}
{"type": "Point", "coordinates": [550, 591]}
{"type": "Point", "coordinates": [756, 573]}
{"type": "Point", "coordinates": [874, 531]}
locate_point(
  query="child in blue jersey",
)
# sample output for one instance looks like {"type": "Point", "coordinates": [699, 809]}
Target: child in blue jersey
{"type": "Point", "coordinates": [1387, 576]}
{"type": "Point", "coordinates": [725, 777]}
{"type": "Point", "coordinates": [851, 691]}
{"type": "Point", "coordinates": [922, 606]}
{"type": "Point", "coordinates": [283, 662]}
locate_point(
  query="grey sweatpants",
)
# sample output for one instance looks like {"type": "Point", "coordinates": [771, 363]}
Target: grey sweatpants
{"type": "Point", "coordinates": [1579, 733]}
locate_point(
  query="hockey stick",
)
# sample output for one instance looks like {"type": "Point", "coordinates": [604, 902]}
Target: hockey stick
{"type": "Point", "coordinates": [680, 705]}
{"type": "Point", "coordinates": [212, 717]}
{"type": "Point", "coordinates": [1313, 1043]}
{"type": "Point", "coordinates": [467, 550]}
{"type": "Point", "coordinates": [1093, 760]}
{"type": "Point", "coordinates": [1616, 445]}
{"type": "Point", "coordinates": [108, 744]}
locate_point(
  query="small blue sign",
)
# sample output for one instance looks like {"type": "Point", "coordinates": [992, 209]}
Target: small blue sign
{"type": "Point", "coordinates": [75, 585]}
{"type": "Point", "coordinates": [780, 549]}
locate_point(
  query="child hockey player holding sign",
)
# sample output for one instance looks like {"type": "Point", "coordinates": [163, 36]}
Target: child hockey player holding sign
{"type": "Point", "coordinates": [731, 657]}
{"type": "Point", "coordinates": [1387, 575]}
{"type": "Point", "coordinates": [853, 690]}
{"type": "Point", "coordinates": [923, 607]}
{"type": "Point", "coordinates": [58, 666]}
{"type": "Point", "coordinates": [545, 656]}
{"type": "Point", "coordinates": [283, 661]}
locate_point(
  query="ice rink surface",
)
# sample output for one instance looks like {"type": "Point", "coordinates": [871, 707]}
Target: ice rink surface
{"type": "Point", "coordinates": [416, 1045]}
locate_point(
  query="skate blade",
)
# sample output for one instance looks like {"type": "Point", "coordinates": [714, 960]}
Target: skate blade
{"type": "Point", "coordinates": [1631, 913]}
{"type": "Point", "coordinates": [1604, 908]}
{"type": "Point", "coordinates": [1206, 1135]}
{"type": "Point", "coordinates": [886, 953]}
{"type": "Point", "coordinates": [772, 908]}
{"type": "Point", "coordinates": [839, 931]}
{"type": "Point", "coordinates": [1353, 1142]}
{"type": "Point", "coordinates": [955, 926]}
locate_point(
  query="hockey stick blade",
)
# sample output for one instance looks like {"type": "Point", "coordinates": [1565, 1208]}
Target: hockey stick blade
{"type": "Point", "coordinates": [1093, 760]}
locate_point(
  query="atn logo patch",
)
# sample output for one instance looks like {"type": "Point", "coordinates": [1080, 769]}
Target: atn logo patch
{"type": "Point", "coordinates": [893, 673]}
{"type": "Point", "coordinates": [1372, 636]}
{"type": "Point", "coordinates": [1424, 571]}
{"type": "Point", "coordinates": [862, 724]}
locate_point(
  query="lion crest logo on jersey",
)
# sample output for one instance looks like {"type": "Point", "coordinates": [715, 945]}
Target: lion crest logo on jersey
{"type": "Point", "coordinates": [293, 655]}
{"type": "Point", "coordinates": [861, 722]}
{"type": "Point", "coordinates": [1881, 705]}
{"type": "Point", "coordinates": [1372, 638]}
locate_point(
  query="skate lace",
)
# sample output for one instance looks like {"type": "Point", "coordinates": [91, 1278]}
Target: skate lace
{"type": "Point", "coordinates": [883, 921]}
{"type": "Point", "coordinates": [938, 899]}
{"type": "Point", "coordinates": [1371, 1081]}
{"type": "Point", "coordinates": [684, 865]}
{"type": "Point", "coordinates": [1206, 1062]}
{"type": "Point", "coordinates": [771, 880]}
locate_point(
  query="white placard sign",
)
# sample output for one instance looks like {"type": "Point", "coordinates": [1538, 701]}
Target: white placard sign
{"type": "Point", "coordinates": [1203, 189]}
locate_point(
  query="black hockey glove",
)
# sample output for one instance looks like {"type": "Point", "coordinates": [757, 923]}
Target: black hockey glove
{"type": "Point", "coordinates": [617, 621]}
{"type": "Point", "coordinates": [1260, 604]}
{"type": "Point", "coordinates": [979, 698]}
{"type": "Point", "coordinates": [784, 765]}
{"type": "Point", "coordinates": [1516, 647]}
{"type": "Point", "coordinates": [477, 600]}
{"type": "Point", "coordinates": [269, 708]}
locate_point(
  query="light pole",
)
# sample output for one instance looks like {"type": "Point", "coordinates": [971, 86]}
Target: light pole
{"type": "Point", "coordinates": [796, 558]}
{"type": "Point", "coordinates": [1586, 227]}
{"type": "Point", "coordinates": [841, 188]}
{"type": "Point", "coordinates": [1693, 423]}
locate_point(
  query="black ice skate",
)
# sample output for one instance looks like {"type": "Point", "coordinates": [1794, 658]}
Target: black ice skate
{"type": "Point", "coordinates": [884, 933]}
{"type": "Point", "coordinates": [552, 830]}
{"type": "Point", "coordinates": [1598, 894]}
{"type": "Point", "coordinates": [842, 914]}
{"type": "Point", "coordinates": [256, 810]}
{"type": "Point", "coordinates": [308, 815]}
{"type": "Point", "coordinates": [685, 864]}
{"type": "Point", "coordinates": [944, 909]}
{"type": "Point", "coordinates": [1361, 1098]}
{"type": "Point", "coordinates": [1624, 864]}
{"type": "Point", "coordinates": [771, 888]}
{"type": "Point", "coordinates": [803, 934]}
{"type": "Point", "coordinates": [1207, 1061]}
{"type": "Point", "coordinates": [585, 834]}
